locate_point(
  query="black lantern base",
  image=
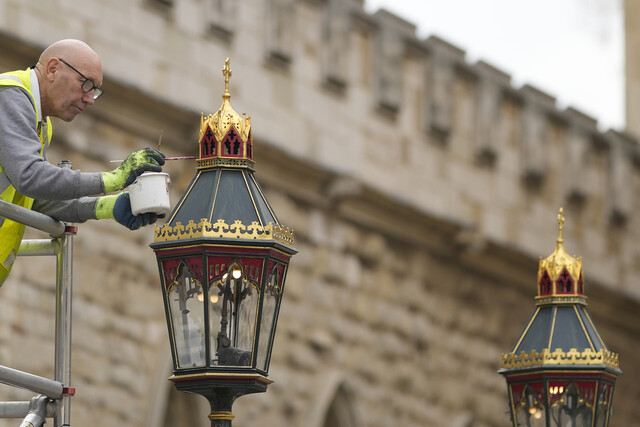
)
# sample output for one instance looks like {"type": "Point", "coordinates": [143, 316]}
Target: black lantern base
{"type": "Point", "coordinates": [221, 390]}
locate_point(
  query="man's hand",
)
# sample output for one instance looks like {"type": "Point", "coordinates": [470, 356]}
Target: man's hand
{"type": "Point", "coordinates": [118, 207]}
{"type": "Point", "coordinates": [138, 162]}
{"type": "Point", "coordinates": [122, 213]}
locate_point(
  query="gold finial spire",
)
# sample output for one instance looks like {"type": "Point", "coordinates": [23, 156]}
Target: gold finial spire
{"type": "Point", "coordinates": [225, 136]}
{"type": "Point", "coordinates": [226, 72]}
{"type": "Point", "coordinates": [551, 270]}
{"type": "Point", "coordinates": [560, 224]}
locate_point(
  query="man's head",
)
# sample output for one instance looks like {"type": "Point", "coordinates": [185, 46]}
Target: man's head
{"type": "Point", "coordinates": [62, 70]}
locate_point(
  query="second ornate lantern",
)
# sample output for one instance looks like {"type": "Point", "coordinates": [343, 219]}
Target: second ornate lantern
{"type": "Point", "coordinates": [560, 372]}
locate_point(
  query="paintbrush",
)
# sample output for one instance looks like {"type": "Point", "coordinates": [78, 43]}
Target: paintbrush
{"type": "Point", "coordinates": [166, 158]}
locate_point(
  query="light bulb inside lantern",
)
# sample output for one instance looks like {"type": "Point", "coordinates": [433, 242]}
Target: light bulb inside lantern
{"type": "Point", "coordinates": [213, 298]}
{"type": "Point", "coordinates": [236, 274]}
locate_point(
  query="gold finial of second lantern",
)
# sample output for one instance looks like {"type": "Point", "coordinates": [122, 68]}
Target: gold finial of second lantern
{"type": "Point", "coordinates": [560, 260]}
{"type": "Point", "coordinates": [226, 72]}
{"type": "Point", "coordinates": [560, 224]}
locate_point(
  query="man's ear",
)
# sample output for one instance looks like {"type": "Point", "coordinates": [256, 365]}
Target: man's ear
{"type": "Point", "coordinates": [51, 68]}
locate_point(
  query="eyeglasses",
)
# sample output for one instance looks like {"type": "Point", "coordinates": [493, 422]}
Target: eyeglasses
{"type": "Point", "coordinates": [87, 84]}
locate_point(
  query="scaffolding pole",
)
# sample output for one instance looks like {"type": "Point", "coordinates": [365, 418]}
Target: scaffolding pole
{"type": "Point", "coordinates": [63, 328]}
{"type": "Point", "coordinates": [64, 288]}
{"type": "Point", "coordinates": [60, 246]}
{"type": "Point", "coordinates": [21, 409]}
{"type": "Point", "coordinates": [40, 247]}
{"type": "Point", "coordinates": [13, 377]}
{"type": "Point", "coordinates": [31, 218]}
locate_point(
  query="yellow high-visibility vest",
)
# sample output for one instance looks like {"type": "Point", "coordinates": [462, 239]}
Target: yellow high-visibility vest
{"type": "Point", "coordinates": [11, 232]}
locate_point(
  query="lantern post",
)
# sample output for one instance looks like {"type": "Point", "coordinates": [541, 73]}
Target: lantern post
{"type": "Point", "coordinates": [560, 372]}
{"type": "Point", "coordinates": [223, 258]}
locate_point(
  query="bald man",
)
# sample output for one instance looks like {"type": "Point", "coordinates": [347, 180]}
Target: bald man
{"type": "Point", "coordinates": [70, 75]}
{"type": "Point", "coordinates": [66, 80]}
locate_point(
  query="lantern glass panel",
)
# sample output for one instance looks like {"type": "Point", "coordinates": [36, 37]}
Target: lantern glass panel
{"type": "Point", "coordinates": [185, 297]}
{"type": "Point", "coordinates": [530, 411]}
{"type": "Point", "coordinates": [247, 313]}
{"type": "Point", "coordinates": [602, 410]}
{"type": "Point", "coordinates": [572, 409]}
{"type": "Point", "coordinates": [215, 315]}
{"type": "Point", "coordinates": [233, 302]}
{"type": "Point", "coordinates": [272, 295]}
{"type": "Point", "coordinates": [601, 417]}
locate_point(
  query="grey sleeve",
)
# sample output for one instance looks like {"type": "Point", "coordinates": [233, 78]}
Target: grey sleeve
{"type": "Point", "coordinates": [77, 210]}
{"type": "Point", "coordinates": [20, 158]}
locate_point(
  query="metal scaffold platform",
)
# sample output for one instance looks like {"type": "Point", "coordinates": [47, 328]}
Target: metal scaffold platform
{"type": "Point", "coordinates": [60, 246]}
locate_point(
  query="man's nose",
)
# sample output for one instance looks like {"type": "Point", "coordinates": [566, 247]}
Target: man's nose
{"type": "Point", "coordinates": [87, 97]}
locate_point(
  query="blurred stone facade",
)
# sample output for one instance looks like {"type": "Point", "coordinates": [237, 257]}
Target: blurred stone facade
{"type": "Point", "coordinates": [422, 190]}
{"type": "Point", "coordinates": [632, 64]}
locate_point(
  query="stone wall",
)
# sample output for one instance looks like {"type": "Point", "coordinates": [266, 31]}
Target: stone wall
{"type": "Point", "coordinates": [411, 110]}
{"type": "Point", "coordinates": [422, 190]}
{"type": "Point", "coordinates": [632, 66]}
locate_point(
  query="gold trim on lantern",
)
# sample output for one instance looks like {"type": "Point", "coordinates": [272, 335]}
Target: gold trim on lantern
{"type": "Point", "coordinates": [560, 300]}
{"type": "Point", "coordinates": [575, 309]}
{"type": "Point", "coordinates": [526, 330]}
{"type": "Point", "coordinates": [560, 357]}
{"type": "Point", "coordinates": [220, 376]}
{"type": "Point", "coordinates": [212, 162]}
{"type": "Point", "coordinates": [221, 415]}
{"type": "Point", "coordinates": [220, 230]}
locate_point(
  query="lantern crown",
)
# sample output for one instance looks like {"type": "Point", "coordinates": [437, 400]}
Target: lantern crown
{"type": "Point", "coordinates": [560, 332]}
{"type": "Point", "coordinates": [224, 199]}
{"type": "Point", "coordinates": [560, 274]}
{"type": "Point", "coordinates": [225, 136]}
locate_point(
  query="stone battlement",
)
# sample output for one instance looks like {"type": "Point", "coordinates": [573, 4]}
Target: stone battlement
{"type": "Point", "coordinates": [362, 96]}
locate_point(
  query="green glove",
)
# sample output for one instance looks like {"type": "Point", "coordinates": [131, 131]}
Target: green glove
{"type": "Point", "coordinates": [133, 166]}
{"type": "Point", "coordinates": [118, 207]}
{"type": "Point", "coordinates": [105, 205]}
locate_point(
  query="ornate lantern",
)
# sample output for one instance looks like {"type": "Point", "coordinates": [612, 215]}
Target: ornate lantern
{"type": "Point", "coordinates": [560, 372]}
{"type": "Point", "coordinates": [223, 258]}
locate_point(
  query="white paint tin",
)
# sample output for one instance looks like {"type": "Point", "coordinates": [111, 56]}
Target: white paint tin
{"type": "Point", "coordinates": [150, 193]}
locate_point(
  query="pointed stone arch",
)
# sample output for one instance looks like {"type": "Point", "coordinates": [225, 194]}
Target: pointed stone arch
{"type": "Point", "coordinates": [334, 404]}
